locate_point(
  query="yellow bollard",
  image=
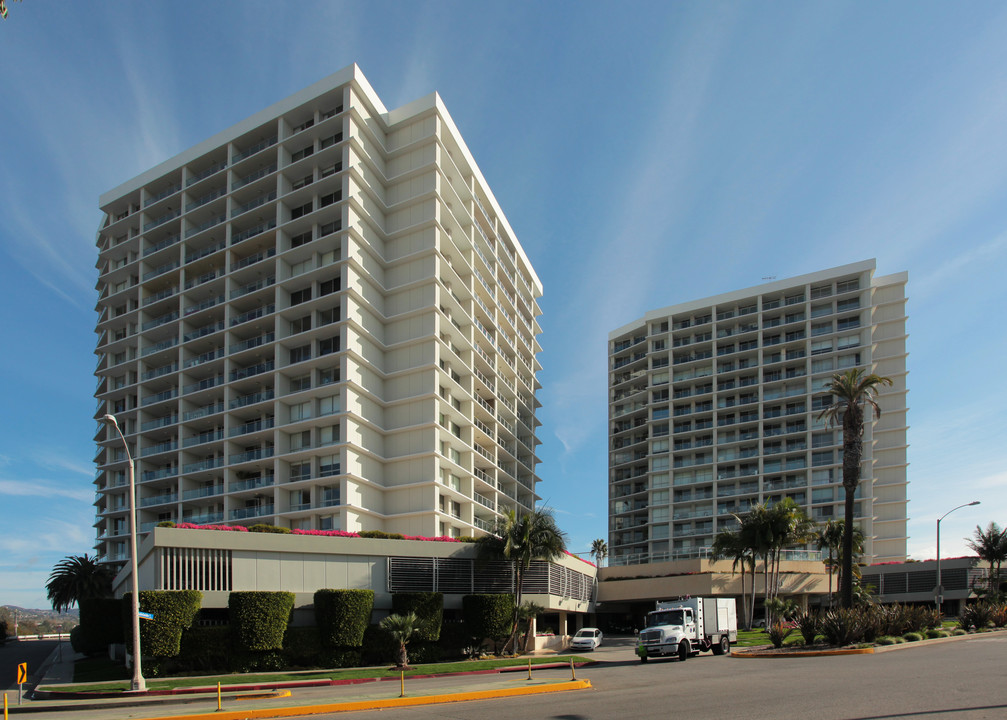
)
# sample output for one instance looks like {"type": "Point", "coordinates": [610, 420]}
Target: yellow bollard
{"type": "Point", "coordinates": [573, 670]}
{"type": "Point", "coordinates": [5, 706]}
{"type": "Point", "coordinates": [529, 668]}
{"type": "Point", "coordinates": [218, 697]}
{"type": "Point", "coordinates": [402, 683]}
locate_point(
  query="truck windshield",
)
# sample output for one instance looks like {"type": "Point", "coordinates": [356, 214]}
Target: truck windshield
{"type": "Point", "coordinates": [665, 617]}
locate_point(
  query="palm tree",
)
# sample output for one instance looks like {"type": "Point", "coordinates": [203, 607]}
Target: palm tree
{"type": "Point", "coordinates": [990, 545]}
{"type": "Point", "coordinates": [401, 628]}
{"type": "Point", "coordinates": [830, 538]}
{"type": "Point", "coordinates": [76, 578]}
{"type": "Point", "coordinates": [599, 550]}
{"type": "Point", "coordinates": [757, 533]}
{"type": "Point", "coordinates": [526, 613]}
{"type": "Point", "coordinates": [519, 540]}
{"type": "Point", "coordinates": [730, 545]}
{"type": "Point", "coordinates": [853, 390]}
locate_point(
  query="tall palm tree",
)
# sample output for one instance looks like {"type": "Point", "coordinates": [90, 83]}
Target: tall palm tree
{"type": "Point", "coordinates": [852, 390]}
{"type": "Point", "coordinates": [519, 540]}
{"type": "Point", "coordinates": [401, 628]}
{"type": "Point", "coordinates": [830, 538]}
{"type": "Point", "coordinates": [757, 533]}
{"type": "Point", "coordinates": [76, 578]}
{"type": "Point", "coordinates": [599, 550]}
{"type": "Point", "coordinates": [990, 545]}
{"type": "Point", "coordinates": [730, 545]}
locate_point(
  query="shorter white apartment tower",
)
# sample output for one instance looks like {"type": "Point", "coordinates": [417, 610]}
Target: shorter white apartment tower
{"type": "Point", "coordinates": [319, 318]}
{"type": "Point", "coordinates": [714, 406]}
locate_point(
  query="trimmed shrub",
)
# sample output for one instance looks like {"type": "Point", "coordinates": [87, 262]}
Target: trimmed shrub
{"type": "Point", "coordinates": [468, 539]}
{"type": "Point", "coordinates": [425, 652]}
{"type": "Point", "coordinates": [206, 648]}
{"type": "Point", "coordinates": [100, 625]}
{"type": "Point", "coordinates": [808, 624]}
{"type": "Point", "coordinates": [429, 609]}
{"type": "Point", "coordinates": [488, 617]}
{"type": "Point", "coordinates": [885, 640]}
{"type": "Point", "coordinates": [259, 619]}
{"type": "Point", "coordinates": [248, 662]}
{"type": "Point", "coordinates": [302, 647]}
{"type": "Point", "coordinates": [934, 633]}
{"type": "Point", "coordinates": [340, 657]}
{"type": "Point", "coordinates": [378, 646]}
{"type": "Point", "coordinates": [455, 641]}
{"type": "Point", "coordinates": [380, 535]}
{"type": "Point", "coordinates": [173, 610]}
{"type": "Point", "coordinates": [912, 637]}
{"type": "Point", "coordinates": [959, 631]}
{"type": "Point", "coordinates": [264, 528]}
{"type": "Point", "coordinates": [342, 616]}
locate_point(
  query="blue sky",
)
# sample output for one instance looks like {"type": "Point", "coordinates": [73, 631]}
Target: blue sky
{"type": "Point", "coordinates": [645, 155]}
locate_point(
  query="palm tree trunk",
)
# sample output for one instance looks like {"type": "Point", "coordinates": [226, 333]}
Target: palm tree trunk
{"type": "Point", "coordinates": [846, 576]}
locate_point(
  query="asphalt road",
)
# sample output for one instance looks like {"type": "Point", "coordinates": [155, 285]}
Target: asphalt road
{"type": "Point", "coordinates": [33, 652]}
{"type": "Point", "coordinates": [965, 680]}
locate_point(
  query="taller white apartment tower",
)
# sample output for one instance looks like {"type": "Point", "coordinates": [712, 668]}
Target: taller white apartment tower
{"type": "Point", "coordinates": [319, 318]}
{"type": "Point", "coordinates": [714, 406]}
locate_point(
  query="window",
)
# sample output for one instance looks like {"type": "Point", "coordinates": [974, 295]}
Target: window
{"type": "Point", "coordinates": [328, 405]}
{"type": "Point", "coordinates": [300, 354]}
{"type": "Point", "coordinates": [300, 239]}
{"type": "Point", "coordinates": [822, 457]}
{"type": "Point", "coordinates": [821, 328]}
{"type": "Point", "coordinates": [328, 435]}
{"type": "Point", "coordinates": [818, 366]}
{"type": "Point", "coordinates": [329, 199]}
{"type": "Point", "coordinates": [298, 384]}
{"type": "Point", "coordinates": [300, 471]}
{"type": "Point", "coordinates": [303, 182]}
{"type": "Point", "coordinates": [848, 361]}
{"type": "Point", "coordinates": [300, 440]}
{"type": "Point", "coordinates": [300, 296]}
{"type": "Point", "coordinates": [848, 341]}
{"type": "Point", "coordinates": [659, 378]}
{"type": "Point", "coordinates": [847, 286]}
{"type": "Point", "coordinates": [328, 346]}
{"type": "Point", "coordinates": [328, 287]}
{"type": "Point", "coordinates": [328, 465]}
{"type": "Point", "coordinates": [300, 325]}
{"type": "Point", "coordinates": [302, 153]}
{"type": "Point", "coordinates": [301, 411]}
{"type": "Point", "coordinates": [820, 347]}
{"type": "Point", "coordinates": [330, 170]}
{"type": "Point", "coordinates": [328, 376]}
{"type": "Point", "coordinates": [300, 211]}
{"type": "Point", "coordinates": [327, 317]}
{"type": "Point", "coordinates": [659, 446]}
{"type": "Point", "coordinates": [329, 228]}
{"type": "Point", "coordinates": [331, 140]}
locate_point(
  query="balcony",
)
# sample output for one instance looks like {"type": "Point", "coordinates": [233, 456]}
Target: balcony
{"type": "Point", "coordinates": [251, 483]}
{"type": "Point", "coordinates": [248, 455]}
{"type": "Point", "coordinates": [249, 512]}
{"type": "Point", "coordinates": [208, 464]}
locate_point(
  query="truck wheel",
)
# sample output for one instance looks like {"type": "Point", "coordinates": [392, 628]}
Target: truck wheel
{"type": "Point", "coordinates": [684, 650]}
{"type": "Point", "coordinates": [723, 647]}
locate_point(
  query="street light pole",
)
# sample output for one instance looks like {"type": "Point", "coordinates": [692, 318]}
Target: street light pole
{"type": "Point", "coordinates": [138, 684]}
{"type": "Point", "coordinates": [939, 592]}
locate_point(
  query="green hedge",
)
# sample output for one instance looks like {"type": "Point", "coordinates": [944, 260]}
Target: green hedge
{"type": "Point", "coordinates": [378, 646]}
{"type": "Point", "coordinates": [259, 619]}
{"type": "Point", "coordinates": [173, 610]}
{"type": "Point", "coordinates": [302, 647]}
{"type": "Point", "coordinates": [342, 616]}
{"type": "Point", "coordinates": [264, 528]}
{"type": "Point", "coordinates": [429, 609]}
{"type": "Point", "coordinates": [488, 616]}
{"type": "Point", "coordinates": [100, 625]}
{"type": "Point", "coordinates": [380, 535]}
{"type": "Point", "coordinates": [206, 649]}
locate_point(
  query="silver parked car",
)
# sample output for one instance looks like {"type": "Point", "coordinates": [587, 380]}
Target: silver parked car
{"type": "Point", "coordinates": [586, 639]}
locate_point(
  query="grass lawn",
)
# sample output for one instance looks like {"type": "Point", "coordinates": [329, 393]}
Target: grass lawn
{"type": "Point", "coordinates": [96, 671]}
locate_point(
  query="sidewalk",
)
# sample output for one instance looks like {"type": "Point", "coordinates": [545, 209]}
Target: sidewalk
{"type": "Point", "coordinates": [280, 701]}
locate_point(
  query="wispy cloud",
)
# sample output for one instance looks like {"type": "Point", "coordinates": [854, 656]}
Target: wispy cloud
{"type": "Point", "coordinates": [45, 489]}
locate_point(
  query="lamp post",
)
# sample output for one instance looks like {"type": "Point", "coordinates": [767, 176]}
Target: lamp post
{"type": "Point", "coordinates": [939, 591]}
{"type": "Point", "coordinates": [138, 684]}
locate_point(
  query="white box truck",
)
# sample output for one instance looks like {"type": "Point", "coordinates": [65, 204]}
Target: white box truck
{"type": "Point", "coordinates": [686, 627]}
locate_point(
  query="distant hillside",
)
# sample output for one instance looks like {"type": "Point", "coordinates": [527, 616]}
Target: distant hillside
{"type": "Point", "coordinates": [33, 620]}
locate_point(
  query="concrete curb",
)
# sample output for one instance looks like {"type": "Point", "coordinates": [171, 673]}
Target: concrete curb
{"type": "Point", "coordinates": [382, 704]}
{"type": "Point", "coordinates": [803, 653]}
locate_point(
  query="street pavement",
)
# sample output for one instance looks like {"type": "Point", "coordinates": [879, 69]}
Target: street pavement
{"type": "Point", "coordinates": [963, 678]}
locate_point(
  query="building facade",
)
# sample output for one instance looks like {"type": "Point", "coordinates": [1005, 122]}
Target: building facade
{"type": "Point", "coordinates": [714, 406]}
{"type": "Point", "coordinates": [319, 318]}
